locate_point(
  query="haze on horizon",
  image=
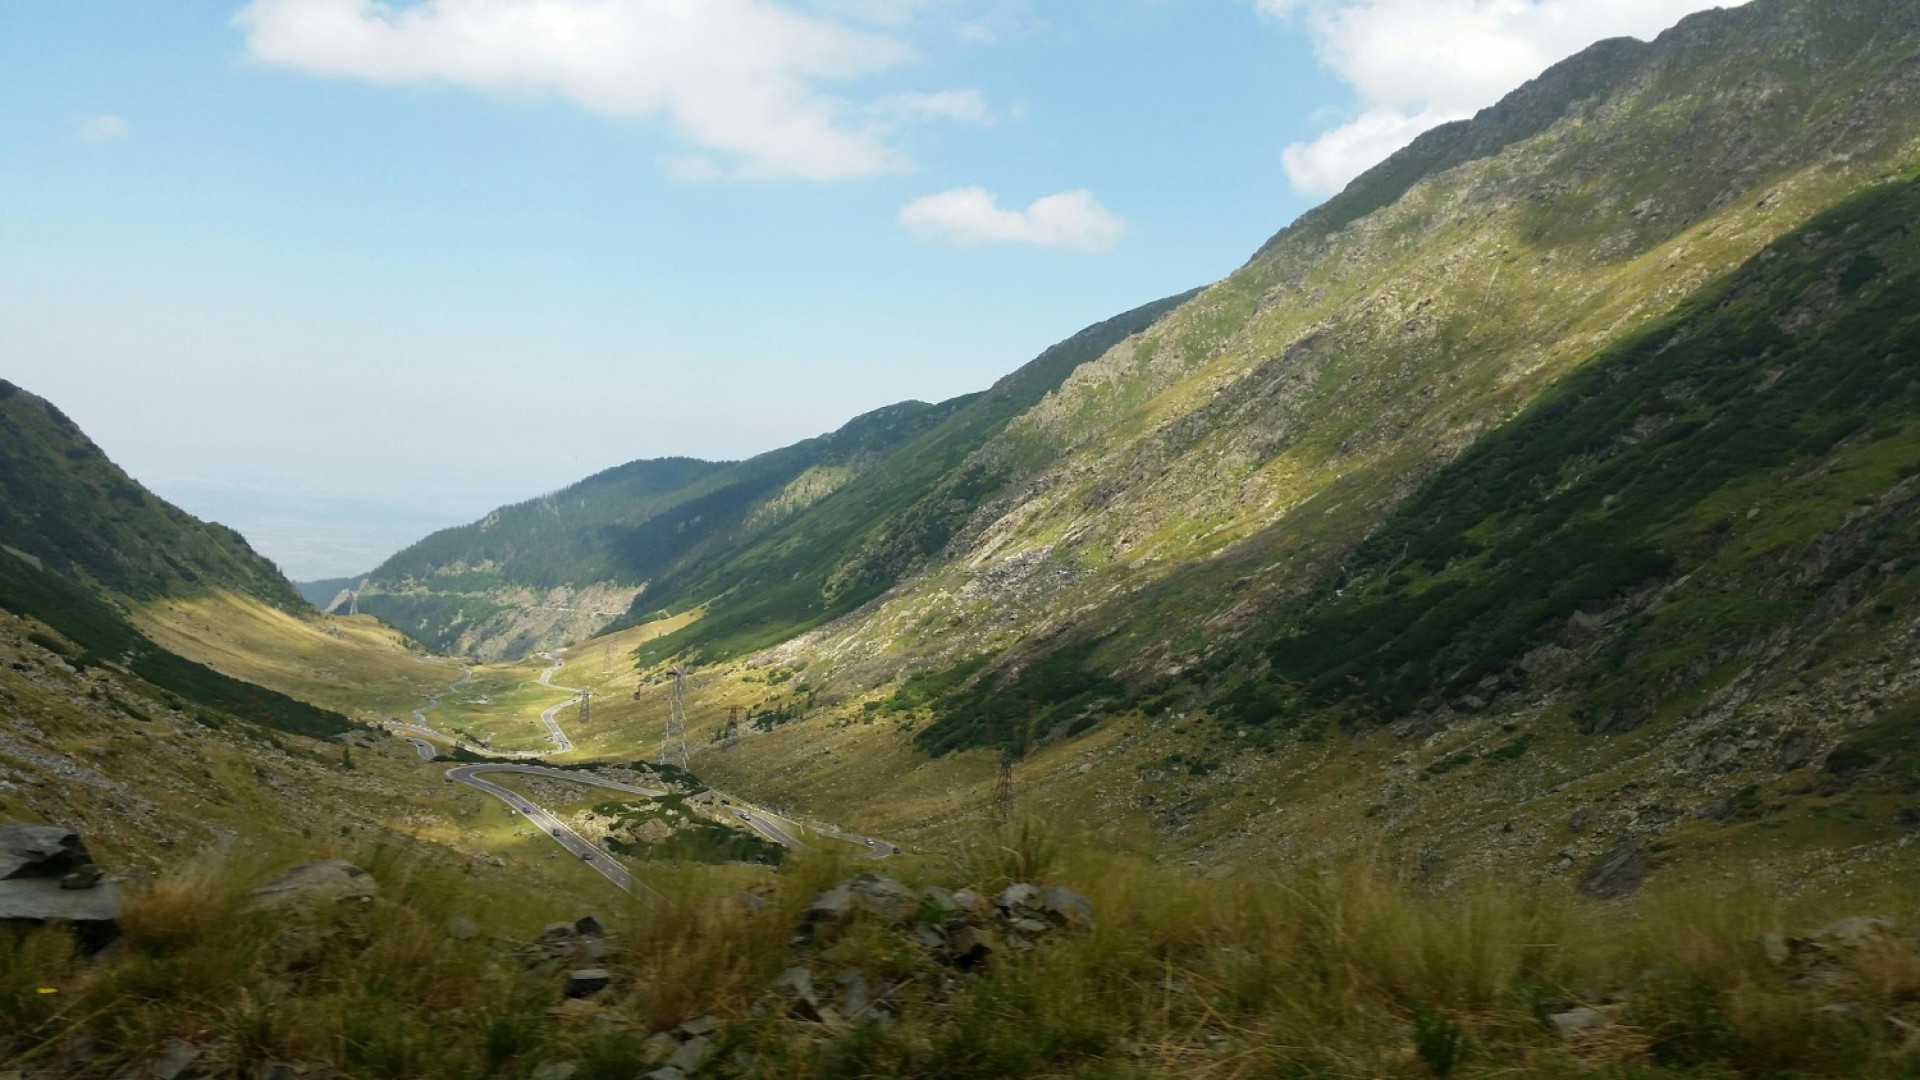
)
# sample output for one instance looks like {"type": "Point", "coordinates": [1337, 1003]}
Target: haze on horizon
{"type": "Point", "coordinates": [338, 272]}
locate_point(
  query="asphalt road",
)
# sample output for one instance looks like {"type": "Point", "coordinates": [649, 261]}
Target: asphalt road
{"type": "Point", "coordinates": [472, 776]}
{"type": "Point", "coordinates": [573, 842]}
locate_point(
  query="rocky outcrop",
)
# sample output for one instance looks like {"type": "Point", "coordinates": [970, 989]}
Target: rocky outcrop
{"type": "Point", "coordinates": [48, 876]}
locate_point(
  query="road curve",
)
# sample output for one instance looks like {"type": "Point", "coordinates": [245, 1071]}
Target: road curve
{"type": "Point", "coordinates": [562, 834]}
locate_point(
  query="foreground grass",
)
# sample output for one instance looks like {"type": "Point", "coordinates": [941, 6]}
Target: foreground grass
{"type": "Point", "coordinates": [1337, 973]}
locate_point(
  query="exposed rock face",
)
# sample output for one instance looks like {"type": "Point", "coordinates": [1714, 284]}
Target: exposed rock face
{"type": "Point", "coordinates": [1617, 874]}
{"type": "Point", "coordinates": [47, 876]}
{"type": "Point", "coordinates": [316, 884]}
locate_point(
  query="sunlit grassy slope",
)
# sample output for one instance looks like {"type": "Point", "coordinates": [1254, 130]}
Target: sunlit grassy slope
{"type": "Point", "coordinates": [355, 665]}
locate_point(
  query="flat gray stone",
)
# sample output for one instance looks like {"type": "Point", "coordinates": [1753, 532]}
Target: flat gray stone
{"type": "Point", "coordinates": [692, 1054]}
{"type": "Point", "coordinates": [175, 1058]}
{"type": "Point", "coordinates": [42, 900]}
{"type": "Point", "coordinates": [1574, 1021]}
{"type": "Point", "coordinates": [586, 981]}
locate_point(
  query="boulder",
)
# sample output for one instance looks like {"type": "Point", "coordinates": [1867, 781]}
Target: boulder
{"type": "Point", "coordinates": [1066, 907]}
{"type": "Point", "coordinates": [174, 1060]}
{"type": "Point", "coordinates": [1852, 933]}
{"type": "Point", "coordinates": [1017, 899]}
{"type": "Point", "coordinates": [1574, 1021]}
{"type": "Point", "coordinates": [583, 982]}
{"type": "Point", "coordinates": [40, 851]}
{"type": "Point", "coordinates": [324, 883]}
{"type": "Point", "coordinates": [884, 897]}
{"type": "Point", "coordinates": [691, 1055]}
{"type": "Point", "coordinates": [658, 1048]}
{"type": "Point", "coordinates": [796, 986]}
{"type": "Point", "coordinates": [969, 947]}
{"type": "Point", "coordinates": [1617, 874]}
{"type": "Point", "coordinates": [704, 1025]}
{"type": "Point", "coordinates": [588, 926]}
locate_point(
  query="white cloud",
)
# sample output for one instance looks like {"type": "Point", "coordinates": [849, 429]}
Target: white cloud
{"type": "Point", "coordinates": [959, 106]}
{"type": "Point", "coordinates": [99, 129]}
{"type": "Point", "coordinates": [740, 80]}
{"type": "Point", "coordinates": [1415, 64]}
{"type": "Point", "coordinates": [972, 217]}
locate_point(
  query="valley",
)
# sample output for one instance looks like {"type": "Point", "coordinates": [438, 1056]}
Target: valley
{"type": "Point", "coordinates": [1478, 636]}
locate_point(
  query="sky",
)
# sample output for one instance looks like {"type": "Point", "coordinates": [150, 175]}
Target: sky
{"type": "Point", "coordinates": [341, 272]}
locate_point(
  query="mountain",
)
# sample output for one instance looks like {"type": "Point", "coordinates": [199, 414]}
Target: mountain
{"type": "Point", "coordinates": [1559, 464]}
{"type": "Point", "coordinates": [80, 542]}
{"type": "Point", "coordinates": [775, 544]}
{"type": "Point", "coordinates": [63, 503]}
{"type": "Point", "coordinates": [325, 594]}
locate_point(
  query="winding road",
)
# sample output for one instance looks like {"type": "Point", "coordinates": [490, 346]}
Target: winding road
{"type": "Point", "coordinates": [418, 733]}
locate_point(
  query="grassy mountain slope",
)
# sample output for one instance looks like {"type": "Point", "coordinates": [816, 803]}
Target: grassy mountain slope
{"type": "Point", "coordinates": [1177, 492]}
{"type": "Point", "coordinates": [65, 504]}
{"type": "Point", "coordinates": [1326, 557]}
{"type": "Point", "coordinates": [852, 545]}
{"type": "Point", "coordinates": [560, 567]}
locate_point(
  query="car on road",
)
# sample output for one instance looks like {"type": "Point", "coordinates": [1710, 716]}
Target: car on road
{"type": "Point", "coordinates": [556, 833]}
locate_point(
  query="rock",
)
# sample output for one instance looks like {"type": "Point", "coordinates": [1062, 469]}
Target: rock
{"type": "Point", "coordinates": [928, 937]}
{"type": "Point", "coordinates": [554, 1070]}
{"type": "Point", "coordinates": [84, 878]}
{"type": "Point", "coordinates": [1852, 933]}
{"type": "Point", "coordinates": [658, 1048]}
{"type": "Point", "coordinates": [691, 1055]}
{"type": "Point", "coordinates": [796, 985]}
{"type": "Point", "coordinates": [969, 947]}
{"type": "Point", "coordinates": [884, 897]}
{"type": "Point", "coordinates": [586, 981]}
{"type": "Point", "coordinates": [1015, 898]}
{"type": "Point", "coordinates": [316, 884]}
{"type": "Point", "coordinates": [705, 1025]}
{"type": "Point", "coordinates": [940, 900]}
{"type": "Point", "coordinates": [175, 1058]}
{"type": "Point", "coordinates": [1574, 1021]}
{"type": "Point", "coordinates": [1582, 819]}
{"type": "Point", "coordinates": [831, 906]}
{"type": "Point", "coordinates": [556, 932]}
{"type": "Point", "coordinates": [461, 928]}
{"type": "Point", "coordinates": [93, 913]}
{"type": "Point", "coordinates": [666, 1072]}
{"type": "Point", "coordinates": [855, 996]}
{"type": "Point", "coordinates": [1066, 907]}
{"type": "Point", "coordinates": [1617, 874]}
{"type": "Point", "coordinates": [588, 926]}
{"type": "Point", "coordinates": [966, 900]}
{"type": "Point", "coordinates": [40, 851]}
{"type": "Point", "coordinates": [1034, 927]}
{"type": "Point", "coordinates": [593, 948]}
{"type": "Point", "coordinates": [1778, 950]}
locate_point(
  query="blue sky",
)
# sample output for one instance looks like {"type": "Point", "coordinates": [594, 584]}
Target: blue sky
{"type": "Point", "coordinates": [338, 272]}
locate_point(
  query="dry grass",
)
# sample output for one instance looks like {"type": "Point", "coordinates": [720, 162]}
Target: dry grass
{"type": "Point", "coordinates": [1340, 972]}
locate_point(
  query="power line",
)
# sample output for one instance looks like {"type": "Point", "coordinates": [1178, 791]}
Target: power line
{"type": "Point", "coordinates": [673, 744]}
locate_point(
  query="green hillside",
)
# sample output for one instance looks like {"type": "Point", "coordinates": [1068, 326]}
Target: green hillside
{"type": "Point", "coordinates": [853, 545]}
{"type": "Point", "coordinates": [64, 503]}
{"type": "Point", "coordinates": [478, 587]}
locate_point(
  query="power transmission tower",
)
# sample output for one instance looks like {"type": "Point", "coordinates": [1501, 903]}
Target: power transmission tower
{"type": "Point", "coordinates": [1003, 792]}
{"type": "Point", "coordinates": [730, 735]}
{"type": "Point", "coordinates": [586, 706]}
{"type": "Point", "coordinates": [673, 745]}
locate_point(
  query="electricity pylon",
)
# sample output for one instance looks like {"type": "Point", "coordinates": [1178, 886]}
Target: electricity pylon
{"type": "Point", "coordinates": [673, 744]}
{"type": "Point", "coordinates": [1003, 792]}
{"type": "Point", "coordinates": [586, 706]}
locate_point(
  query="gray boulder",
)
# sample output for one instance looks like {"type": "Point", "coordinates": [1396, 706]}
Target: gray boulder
{"type": "Point", "coordinates": [1067, 907]}
{"type": "Point", "coordinates": [884, 897]}
{"type": "Point", "coordinates": [38, 851]}
{"type": "Point", "coordinates": [1574, 1021]}
{"type": "Point", "coordinates": [1617, 874]}
{"type": "Point", "coordinates": [586, 981]}
{"type": "Point", "coordinates": [315, 884]}
{"type": "Point", "coordinates": [692, 1054]}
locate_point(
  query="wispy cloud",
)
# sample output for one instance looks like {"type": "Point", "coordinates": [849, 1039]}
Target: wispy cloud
{"type": "Point", "coordinates": [101, 129]}
{"type": "Point", "coordinates": [973, 217]}
{"type": "Point", "coordinates": [1415, 64]}
{"type": "Point", "coordinates": [743, 82]}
